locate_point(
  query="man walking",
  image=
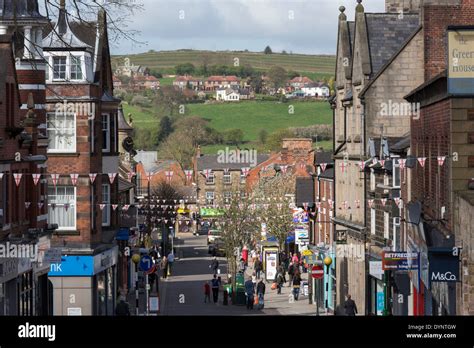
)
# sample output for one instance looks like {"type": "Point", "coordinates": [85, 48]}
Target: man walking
{"type": "Point", "coordinates": [350, 307]}
{"type": "Point", "coordinates": [260, 293]}
{"type": "Point", "coordinates": [170, 262]}
{"type": "Point", "coordinates": [164, 267]}
{"type": "Point", "coordinates": [249, 291]}
{"type": "Point", "coordinates": [215, 289]}
{"type": "Point", "coordinates": [122, 308]}
{"type": "Point", "coordinates": [296, 285]}
{"type": "Point", "coordinates": [258, 267]}
{"type": "Point", "coordinates": [214, 265]}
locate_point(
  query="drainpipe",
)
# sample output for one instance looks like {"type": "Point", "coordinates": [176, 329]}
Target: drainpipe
{"type": "Point", "coordinates": [367, 252]}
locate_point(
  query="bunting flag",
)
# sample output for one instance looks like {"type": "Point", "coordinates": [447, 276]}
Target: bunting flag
{"type": "Point", "coordinates": [112, 177]}
{"type": "Point", "coordinates": [126, 207]}
{"type": "Point", "coordinates": [382, 162]}
{"type": "Point", "coordinates": [55, 178]}
{"type": "Point", "coordinates": [330, 201]}
{"type": "Point", "coordinates": [27, 205]}
{"type": "Point", "coordinates": [323, 167]}
{"type": "Point", "coordinates": [345, 205]}
{"type": "Point", "coordinates": [279, 205]}
{"type": "Point", "coordinates": [305, 206]}
{"type": "Point", "coordinates": [36, 178]}
{"type": "Point", "coordinates": [187, 222]}
{"type": "Point", "coordinates": [402, 163]}
{"type": "Point", "coordinates": [53, 206]}
{"type": "Point", "coordinates": [226, 170]}
{"type": "Point", "coordinates": [207, 173]}
{"type": "Point", "coordinates": [66, 206]}
{"type": "Point", "coordinates": [17, 178]}
{"type": "Point", "coordinates": [188, 174]}
{"type": "Point", "coordinates": [343, 167]}
{"type": "Point", "coordinates": [130, 175]}
{"type": "Point", "coordinates": [74, 178]}
{"type": "Point", "coordinates": [384, 201]}
{"type": "Point", "coordinates": [169, 175]}
{"type": "Point", "coordinates": [114, 207]}
{"type": "Point", "coordinates": [149, 176]}
{"type": "Point", "coordinates": [92, 178]}
{"type": "Point", "coordinates": [1, 176]}
{"type": "Point", "coordinates": [374, 161]}
{"type": "Point", "coordinates": [139, 206]}
{"type": "Point", "coordinates": [422, 161]}
{"type": "Point", "coordinates": [357, 203]}
{"type": "Point", "coordinates": [152, 206]}
{"type": "Point", "coordinates": [318, 205]}
{"type": "Point", "coordinates": [362, 165]}
{"type": "Point", "coordinates": [245, 171]}
{"type": "Point", "coordinates": [397, 201]}
{"type": "Point", "coordinates": [284, 169]}
{"type": "Point", "coordinates": [370, 203]}
{"type": "Point", "coordinates": [302, 165]}
{"type": "Point", "coordinates": [101, 206]}
{"type": "Point", "coordinates": [40, 205]}
{"type": "Point", "coordinates": [441, 160]}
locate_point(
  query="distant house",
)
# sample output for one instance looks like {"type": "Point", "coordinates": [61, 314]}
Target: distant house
{"type": "Point", "coordinates": [227, 94]}
{"type": "Point", "coordinates": [131, 70]}
{"type": "Point", "coordinates": [316, 89]}
{"type": "Point", "coordinates": [213, 83]}
{"type": "Point", "coordinates": [146, 82]}
{"type": "Point", "coordinates": [185, 81]}
{"type": "Point", "coordinates": [246, 93]}
{"type": "Point", "coordinates": [299, 82]}
{"type": "Point", "coordinates": [117, 82]}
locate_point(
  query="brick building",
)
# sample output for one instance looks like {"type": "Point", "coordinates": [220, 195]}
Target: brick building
{"type": "Point", "coordinates": [83, 141]}
{"type": "Point", "coordinates": [24, 286]}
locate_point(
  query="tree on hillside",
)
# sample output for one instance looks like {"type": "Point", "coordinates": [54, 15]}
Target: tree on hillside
{"type": "Point", "coordinates": [331, 84]}
{"type": "Point", "coordinates": [268, 50]}
{"type": "Point", "coordinates": [165, 129]}
{"type": "Point", "coordinates": [185, 69]}
{"type": "Point", "coordinates": [234, 136]}
{"type": "Point", "coordinates": [256, 82]}
{"type": "Point", "coordinates": [275, 139]}
{"type": "Point", "coordinates": [278, 76]}
{"type": "Point", "coordinates": [263, 136]}
{"type": "Point", "coordinates": [194, 127]}
{"type": "Point", "coordinates": [168, 100]}
{"type": "Point", "coordinates": [180, 148]}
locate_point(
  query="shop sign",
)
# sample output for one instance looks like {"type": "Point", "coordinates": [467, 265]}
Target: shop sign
{"type": "Point", "coordinates": [460, 61]}
{"type": "Point", "coordinates": [375, 269]}
{"type": "Point", "coordinates": [393, 261]}
{"type": "Point", "coordinates": [444, 265]}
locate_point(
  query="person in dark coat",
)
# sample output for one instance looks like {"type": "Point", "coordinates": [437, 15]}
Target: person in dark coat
{"type": "Point", "coordinates": [258, 267]}
{"type": "Point", "coordinates": [260, 293]}
{"type": "Point", "coordinates": [291, 272]}
{"type": "Point", "coordinates": [122, 308]}
{"type": "Point", "coordinates": [296, 285]}
{"type": "Point", "coordinates": [350, 306]}
{"type": "Point", "coordinates": [214, 265]}
{"type": "Point", "coordinates": [280, 279]}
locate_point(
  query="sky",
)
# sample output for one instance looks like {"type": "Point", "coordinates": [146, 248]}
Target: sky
{"type": "Point", "coordinates": [298, 26]}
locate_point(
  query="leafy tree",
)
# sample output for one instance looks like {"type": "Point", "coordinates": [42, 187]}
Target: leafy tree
{"type": "Point", "coordinates": [156, 73]}
{"type": "Point", "coordinates": [256, 82]}
{"type": "Point", "coordinates": [178, 147]}
{"type": "Point", "coordinates": [275, 139]}
{"type": "Point", "coordinates": [234, 136]}
{"type": "Point", "coordinates": [194, 127]}
{"type": "Point", "coordinates": [292, 74]}
{"type": "Point", "coordinates": [278, 76]}
{"type": "Point", "coordinates": [165, 129]}
{"type": "Point", "coordinates": [185, 69]}
{"type": "Point", "coordinates": [268, 50]}
{"type": "Point", "coordinates": [168, 100]}
{"type": "Point", "coordinates": [141, 101]}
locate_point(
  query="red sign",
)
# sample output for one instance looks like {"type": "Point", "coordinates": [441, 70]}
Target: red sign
{"type": "Point", "coordinates": [317, 272]}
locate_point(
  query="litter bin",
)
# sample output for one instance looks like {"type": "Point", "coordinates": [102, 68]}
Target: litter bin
{"type": "Point", "coordinates": [240, 298]}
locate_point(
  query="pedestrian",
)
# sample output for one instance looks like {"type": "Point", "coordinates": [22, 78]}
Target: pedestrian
{"type": "Point", "coordinates": [295, 259]}
{"type": "Point", "coordinates": [214, 265]}
{"type": "Point", "coordinates": [350, 306]}
{"type": "Point", "coordinates": [249, 291]}
{"type": "Point", "coordinates": [296, 285]}
{"type": "Point", "coordinates": [280, 280]}
{"type": "Point", "coordinates": [170, 262]}
{"type": "Point", "coordinates": [242, 266]}
{"type": "Point", "coordinates": [253, 254]}
{"type": "Point", "coordinates": [164, 267]}
{"type": "Point", "coordinates": [122, 308]}
{"type": "Point", "coordinates": [257, 267]}
{"type": "Point", "coordinates": [207, 293]}
{"type": "Point", "coordinates": [254, 279]}
{"type": "Point", "coordinates": [260, 293]}
{"type": "Point", "coordinates": [291, 272]}
{"type": "Point", "coordinates": [215, 289]}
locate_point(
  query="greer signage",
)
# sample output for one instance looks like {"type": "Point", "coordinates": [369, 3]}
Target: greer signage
{"type": "Point", "coordinates": [461, 61]}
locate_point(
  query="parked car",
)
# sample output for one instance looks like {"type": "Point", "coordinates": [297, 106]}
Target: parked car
{"type": "Point", "coordinates": [212, 236]}
{"type": "Point", "coordinates": [203, 230]}
{"type": "Point", "coordinates": [217, 248]}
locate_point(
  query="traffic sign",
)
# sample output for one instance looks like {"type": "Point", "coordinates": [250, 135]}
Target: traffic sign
{"type": "Point", "coordinates": [317, 272]}
{"type": "Point", "coordinates": [146, 262]}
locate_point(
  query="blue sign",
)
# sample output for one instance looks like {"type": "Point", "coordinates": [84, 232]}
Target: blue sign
{"type": "Point", "coordinates": [146, 263]}
{"type": "Point", "coordinates": [380, 301]}
{"type": "Point", "coordinates": [70, 266]}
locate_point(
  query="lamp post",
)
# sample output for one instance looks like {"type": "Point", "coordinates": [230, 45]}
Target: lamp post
{"type": "Point", "coordinates": [328, 262]}
{"type": "Point", "coordinates": [136, 260]}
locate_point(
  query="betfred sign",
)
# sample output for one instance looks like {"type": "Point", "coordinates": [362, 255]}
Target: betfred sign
{"type": "Point", "coordinates": [393, 261]}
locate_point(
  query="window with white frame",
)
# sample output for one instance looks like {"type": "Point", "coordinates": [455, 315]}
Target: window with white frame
{"type": "Point", "coordinates": [227, 178]}
{"type": "Point", "coordinates": [76, 68]}
{"type": "Point", "coordinates": [372, 180]}
{"type": "Point", "coordinates": [106, 201]}
{"type": "Point", "coordinates": [59, 68]}
{"type": "Point", "coordinates": [396, 173]}
{"type": "Point", "coordinates": [62, 207]}
{"type": "Point", "coordinates": [386, 225]}
{"type": "Point", "coordinates": [61, 128]}
{"type": "Point", "coordinates": [372, 220]}
{"type": "Point", "coordinates": [243, 177]}
{"type": "Point", "coordinates": [106, 133]}
{"type": "Point", "coordinates": [210, 197]}
{"type": "Point", "coordinates": [396, 234]}
{"type": "Point", "coordinates": [210, 179]}
{"type": "Point", "coordinates": [227, 197]}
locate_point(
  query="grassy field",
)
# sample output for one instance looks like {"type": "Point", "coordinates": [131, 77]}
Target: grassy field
{"type": "Point", "coordinates": [250, 117]}
{"type": "Point", "coordinates": [165, 61]}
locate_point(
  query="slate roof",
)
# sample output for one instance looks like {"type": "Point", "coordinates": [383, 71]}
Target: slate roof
{"type": "Point", "coordinates": [211, 162]}
{"type": "Point", "coordinates": [304, 191]}
{"type": "Point", "coordinates": [25, 9]}
{"type": "Point", "coordinates": [386, 34]}
{"type": "Point", "coordinates": [401, 145]}
{"type": "Point", "coordinates": [323, 157]}
{"type": "Point", "coordinates": [85, 32]}
{"type": "Point", "coordinates": [374, 145]}
{"type": "Point", "coordinates": [327, 174]}
{"type": "Point", "coordinates": [122, 123]}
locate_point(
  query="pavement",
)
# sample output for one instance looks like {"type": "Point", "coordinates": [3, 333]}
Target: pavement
{"type": "Point", "coordinates": [183, 292]}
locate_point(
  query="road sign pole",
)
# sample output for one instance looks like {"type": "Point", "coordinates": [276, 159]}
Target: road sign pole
{"type": "Point", "coordinates": [317, 296]}
{"type": "Point", "coordinates": [136, 289]}
{"type": "Point", "coordinates": [146, 294]}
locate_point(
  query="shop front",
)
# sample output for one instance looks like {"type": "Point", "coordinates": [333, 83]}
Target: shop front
{"type": "Point", "coordinates": [85, 284]}
{"type": "Point", "coordinates": [8, 293]}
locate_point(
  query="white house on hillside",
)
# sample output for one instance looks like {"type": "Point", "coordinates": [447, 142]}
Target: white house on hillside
{"type": "Point", "coordinates": [316, 90]}
{"type": "Point", "coordinates": [227, 94]}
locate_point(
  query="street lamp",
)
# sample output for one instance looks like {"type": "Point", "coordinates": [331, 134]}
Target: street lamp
{"type": "Point", "coordinates": [328, 262]}
{"type": "Point", "coordinates": [136, 260]}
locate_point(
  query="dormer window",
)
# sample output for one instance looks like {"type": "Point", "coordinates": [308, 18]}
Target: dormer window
{"type": "Point", "coordinates": [76, 68]}
{"type": "Point", "coordinates": [68, 67]}
{"type": "Point", "coordinates": [59, 68]}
